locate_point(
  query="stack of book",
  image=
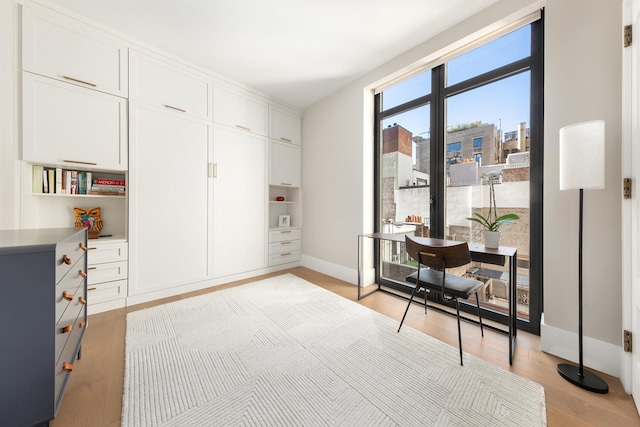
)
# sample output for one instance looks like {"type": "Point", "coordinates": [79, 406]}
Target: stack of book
{"type": "Point", "coordinates": [108, 187]}
{"type": "Point", "coordinates": [62, 181]}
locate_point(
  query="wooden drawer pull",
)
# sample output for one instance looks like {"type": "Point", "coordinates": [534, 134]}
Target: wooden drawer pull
{"type": "Point", "coordinates": [82, 273]}
{"type": "Point", "coordinates": [81, 324]}
{"type": "Point", "coordinates": [82, 300]}
{"type": "Point", "coordinates": [66, 295]}
{"type": "Point", "coordinates": [67, 329]}
{"type": "Point", "coordinates": [67, 367]}
{"type": "Point", "coordinates": [66, 259]}
{"type": "Point", "coordinates": [83, 247]}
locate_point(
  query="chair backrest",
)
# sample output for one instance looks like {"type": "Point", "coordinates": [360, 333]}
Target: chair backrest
{"type": "Point", "coordinates": [436, 253]}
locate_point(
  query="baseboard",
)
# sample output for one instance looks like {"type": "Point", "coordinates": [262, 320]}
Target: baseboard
{"type": "Point", "coordinates": [598, 355]}
{"type": "Point", "coordinates": [346, 274]}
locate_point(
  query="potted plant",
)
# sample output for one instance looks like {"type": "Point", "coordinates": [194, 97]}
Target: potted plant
{"type": "Point", "coordinates": [492, 222]}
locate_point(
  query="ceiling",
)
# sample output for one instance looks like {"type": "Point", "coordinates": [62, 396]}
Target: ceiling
{"type": "Point", "coordinates": [296, 51]}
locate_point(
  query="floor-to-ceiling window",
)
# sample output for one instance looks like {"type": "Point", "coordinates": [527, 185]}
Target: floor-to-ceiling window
{"type": "Point", "coordinates": [443, 136]}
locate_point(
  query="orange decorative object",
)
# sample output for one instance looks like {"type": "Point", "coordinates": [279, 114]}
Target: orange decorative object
{"type": "Point", "coordinates": [66, 259]}
{"type": "Point", "coordinates": [67, 367]}
{"type": "Point", "coordinates": [67, 329]}
{"type": "Point", "coordinates": [67, 296]}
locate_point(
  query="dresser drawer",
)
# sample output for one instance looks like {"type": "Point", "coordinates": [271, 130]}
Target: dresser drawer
{"type": "Point", "coordinates": [282, 235]}
{"type": "Point", "coordinates": [99, 253]}
{"type": "Point", "coordinates": [108, 272]}
{"type": "Point", "coordinates": [284, 246]}
{"type": "Point", "coordinates": [68, 356]}
{"type": "Point", "coordinates": [68, 292]}
{"type": "Point", "coordinates": [283, 258]}
{"type": "Point", "coordinates": [69, 321]}
{"type": "Point", "coordinates": [108, 291]}
{"type": "Point", "coordinates": [68, 253]}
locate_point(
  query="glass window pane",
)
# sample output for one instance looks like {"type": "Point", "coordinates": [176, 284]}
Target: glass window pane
{"type": "Point", "coordinates": [408, 90]}
{"type": "Point", "coordinates": [505, 50]}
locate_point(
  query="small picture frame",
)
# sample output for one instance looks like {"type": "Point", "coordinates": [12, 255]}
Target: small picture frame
{"type": "Point", "coordinates": [284, 221]}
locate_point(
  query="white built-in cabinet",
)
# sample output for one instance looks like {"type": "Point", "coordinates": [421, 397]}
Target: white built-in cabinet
{"type": "Point", "coordinates": [204, 161]}
{"type": "Point", "coordinates": [240, 110]}
{"type": "Point", "coordinates": [68, 50]}
{"type": "Point", "coordinates": [240, 201]}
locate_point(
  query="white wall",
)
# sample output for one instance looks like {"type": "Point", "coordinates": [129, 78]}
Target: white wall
{"type": "Point", "coordinates": [582, 82]}
{"type": "Point", "coordinates": [9, 166]}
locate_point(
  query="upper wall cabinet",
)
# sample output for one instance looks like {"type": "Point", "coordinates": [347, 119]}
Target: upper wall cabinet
{"type": "Point", "coordinates": [65, 49]}
{"type": "Point", "coordinates": [168, 85]}
{"type": "Point", "coordinates": [284, 126]}
{"type": "Point", "coordinates": [66, 125]}
{"type": "Point", "coordinates": [239, 110]}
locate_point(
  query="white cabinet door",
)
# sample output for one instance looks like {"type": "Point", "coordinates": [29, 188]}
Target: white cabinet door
{"type": "Point", "coordinates": [284, 126]}
{"type": "Point", "coordinates": [239, 110]}
{"type": "Point", "coordinates": [67, 125]}
{"type": "Point", "coordinates": [284, 164]}
{"type": "Point", "coordinates": [60, 47]}
{"type": "Point", "coordinates": [240, 200]}
{"type": "Point", "coordinates": [168, 85]}
{"type": "Point", "coordinates": [170, 203]}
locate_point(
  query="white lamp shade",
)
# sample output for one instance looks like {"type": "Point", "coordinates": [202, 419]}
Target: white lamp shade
{"type": "Point", "coordinates": [582, 156]}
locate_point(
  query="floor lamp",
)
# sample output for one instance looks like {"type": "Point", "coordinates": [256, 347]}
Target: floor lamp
{"type": "Point", "coordinates": [582, 167]}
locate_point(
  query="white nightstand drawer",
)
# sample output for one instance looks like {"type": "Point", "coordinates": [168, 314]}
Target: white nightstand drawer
{"type": "Point", "coordinates": [284, 246]}
{"type": "Point", "coordinates": [284, 234]}
{"type": "Point", "coordinates": [106, 292]}
{"type": "Point", "coordinates": [108, 272]}
{"type": "Point", "coordinates": [283, 258]}
{"type": "Point", "coordinates": [99, 253]}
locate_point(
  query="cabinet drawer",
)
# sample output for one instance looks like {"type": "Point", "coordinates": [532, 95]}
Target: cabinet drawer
{"type": "Point", "coordinates": [282, 235]}
{"type": "Point", "coordinates": [283, 258]}
{"type": "Point", "coordinates": [60, 47]}
{"type": "Point", "coordinates": [106, 292]}
{"type": "Point", "coordinates": [68, 322]}
{"type": "Point", "coordinates": [238, 110]}
{"type": "Point", "coordinates": [71, 126]}
{"type": "Point", "coordinates": [67, 292]}
{"type": "Point", "coordinates": [108, 272]}
{"type": "Point", "coordinates": [68, 355]}
{"type": "Point", "coordinates": [99, 253]}
{"type": "Point", "coordinates": [68, 253]}
{"type": "Point", "coordinates": [284, 246]}
{"type": "Point", "coordinates": [163, 84]}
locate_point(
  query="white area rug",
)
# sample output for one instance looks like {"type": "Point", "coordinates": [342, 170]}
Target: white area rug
{"type": "Point", "coordinates": [284, 352]}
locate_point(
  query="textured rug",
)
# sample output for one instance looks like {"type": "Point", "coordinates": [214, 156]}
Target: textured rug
{"type": "Point", "coordinates": [284, 352]}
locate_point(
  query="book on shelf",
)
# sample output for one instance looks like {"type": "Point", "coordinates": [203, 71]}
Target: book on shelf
{"type": "Point", "coordinates": [74, 182]}
{"type": "Point", "coordinates": [51, 180]}
{"type": "Point", "coordinates": [36, 179]}
{"type": "Point", "coordinates": [45, 181]}
{"type": "Point", "coordinates": [108, 181]}
{"type": "Point", "coordinates": [59, 181]}
{"type": "Point", "coordinates": [107, 190]}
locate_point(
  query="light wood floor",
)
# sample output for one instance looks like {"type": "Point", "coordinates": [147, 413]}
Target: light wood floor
{"type": "Point", "coordinates": [94, 394]}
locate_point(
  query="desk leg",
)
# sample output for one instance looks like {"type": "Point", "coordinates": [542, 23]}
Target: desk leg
{"type": "Point", "coordinates": [513, 304]}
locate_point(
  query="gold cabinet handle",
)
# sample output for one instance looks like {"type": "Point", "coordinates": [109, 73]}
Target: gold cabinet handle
{"type": "Point", "coordinates": [82, 300]}
{"type": "Point", "coordinates": [66, 295]}
{"type": "Point", "coordinates": [243, 128]}
{"type": "Point", "coordinates": [78, 81]}
{"type": "Point", "coordinates": [91, 289]}
{"type": "Point", "coordinates": [285, 243]}
{"type": "Point", "coordinates": [92, 268]}
{"type": "Point", "coordinates": [286, 254]}
{"type": "Point", "coordinates": [171, 107]}
{"type": "Point", "coordinates": [67, 367]}
{"type": "Point", "coordinates": [82, 274]}
{"type": "Point", "coordinates": [67, 329]}
{"type": "Point", "coordinates": [66, 259]}
{"type": "Point", "coordinates": [82, 246]}
{"type": "Point", "coordinates": [80, 162]}
{"type": "Point", "coordinates": [285, 139]}
{"type": "Point", "coordinates": [285, 231]}
{"type": "Point", "coordinates": [81, 324]}
{"type": "Point", "coordinates": [285, 183]}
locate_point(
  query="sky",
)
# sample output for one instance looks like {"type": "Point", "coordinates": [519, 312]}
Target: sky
{"type": "Point", "coordinates": [504, 103]}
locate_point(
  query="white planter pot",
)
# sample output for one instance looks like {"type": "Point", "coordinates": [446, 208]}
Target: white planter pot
{"type": "Point", "coordinates": [491, 239]}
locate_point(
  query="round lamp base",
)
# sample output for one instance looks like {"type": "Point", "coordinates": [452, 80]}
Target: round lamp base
{"type": "Point", "coordinates": [588, 381]}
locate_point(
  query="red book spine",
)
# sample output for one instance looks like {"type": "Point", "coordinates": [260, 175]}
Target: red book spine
{"type": "Point", "coordinates": [104, 181]}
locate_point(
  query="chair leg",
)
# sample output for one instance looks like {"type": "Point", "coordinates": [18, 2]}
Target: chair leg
{"type": "Point", "coordinates": [413, 294]}
{"type": "Point", "coordinates": [479, 314]}
{"type": "Point", "coordinates": [459, 332]}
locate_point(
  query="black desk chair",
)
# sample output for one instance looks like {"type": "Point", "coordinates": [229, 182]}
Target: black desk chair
{"type": "Point", "coordinates": [438, 257]}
